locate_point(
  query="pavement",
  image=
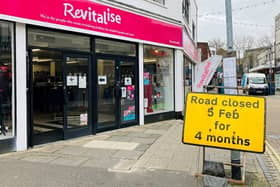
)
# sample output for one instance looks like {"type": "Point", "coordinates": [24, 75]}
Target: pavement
{"type": "Point", "coordinates": [149, 155]}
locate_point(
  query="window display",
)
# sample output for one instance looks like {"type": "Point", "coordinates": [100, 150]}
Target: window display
{"type": "Point", "coordinates": [6, 80]}
{"type": "Point", "coordinates": [158, 79]}
{"type": "Point", "coordinates": [187, 75]}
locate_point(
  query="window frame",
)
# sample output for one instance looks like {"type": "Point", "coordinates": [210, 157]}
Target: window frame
{"type": "Point", "coordinates": [155, 1]}
{"type": "Point", "coordinates": [186, 10]}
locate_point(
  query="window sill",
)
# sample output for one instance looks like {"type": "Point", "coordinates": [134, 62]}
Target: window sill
{"type": "Point", "coordinates": [155, 3]}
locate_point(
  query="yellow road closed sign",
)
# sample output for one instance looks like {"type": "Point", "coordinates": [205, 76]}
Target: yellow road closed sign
{"type": "Point", "coordinates": [225, 121]}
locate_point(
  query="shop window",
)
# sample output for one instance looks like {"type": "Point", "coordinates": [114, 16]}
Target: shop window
{"type": "Point", "coordinates": [193, 32]}
{"type": "Point", "coordinates": [114, 47]}
{"type": "Point", "coordinates": [58, 40]}
{"type": "Point", "coordinates": [158, 80]}
{"type": "Point", "coordinates": [187, 75]}
{"type": "Point", "coordinates": [6, 80]}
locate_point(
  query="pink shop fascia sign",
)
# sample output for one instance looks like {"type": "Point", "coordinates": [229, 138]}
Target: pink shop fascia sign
{"type": "Point", "coordinates": [89, 15]}
{"type": "Point", "coordinates": [189, 47]}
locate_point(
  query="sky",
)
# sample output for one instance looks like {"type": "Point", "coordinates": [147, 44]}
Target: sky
{"type": "Point", "coordinates": [254, 18]}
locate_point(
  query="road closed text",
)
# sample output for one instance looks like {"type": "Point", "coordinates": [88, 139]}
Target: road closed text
{"type": "Point", "coordinates": [225, 121]}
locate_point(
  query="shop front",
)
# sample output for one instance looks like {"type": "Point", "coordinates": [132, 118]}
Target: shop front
{"type": "Point", "coordinates": [73, 75]}
{"type": "Point", "coordinates": [89, 67]}
{"type": "Point", "coordinates": [191, 58]}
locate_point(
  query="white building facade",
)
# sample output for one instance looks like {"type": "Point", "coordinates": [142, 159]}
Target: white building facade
{"type": "Point", "coordinates": [73, 68]}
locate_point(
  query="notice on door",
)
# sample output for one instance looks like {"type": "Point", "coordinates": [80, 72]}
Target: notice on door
{"type": "Point", "coordinates": [72, 80]}
{"type": "Point", "coordinates": [102, 80]}
{"type": "Point", "coordinates": [225, 121]}
{"type": "Point", "coordinates": [82, 81]}
{"type": "Point", "coordinates": [127, 81]}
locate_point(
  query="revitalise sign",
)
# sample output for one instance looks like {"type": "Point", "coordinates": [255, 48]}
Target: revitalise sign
{"type": "Point", "coordinates": [95, 18]}
{"type": "Point", "coordinates": [89, 14]}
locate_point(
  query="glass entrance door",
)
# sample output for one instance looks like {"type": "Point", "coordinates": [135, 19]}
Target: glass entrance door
{"type": "Point", "coordinates": [106, 88]}
{"type": "Point", "coordinates": [117, 94]}
{"type": "Point", "coordinates": [46, 96]}
{"type": "Point", "coordinates": [76, 87]}
{"type": "Point", "coordinates": [128, 112]}
{"type": "Point", "coordinates": [59, 95]}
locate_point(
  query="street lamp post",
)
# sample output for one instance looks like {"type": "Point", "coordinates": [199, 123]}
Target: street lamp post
{"type": "Point", "coordinates": [235, 155]}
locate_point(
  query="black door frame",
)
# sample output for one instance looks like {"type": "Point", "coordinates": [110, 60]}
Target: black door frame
{"type": "Point", "coordinates": [72, 133]}
{"type": "Point", "coordinates": [117, 59]}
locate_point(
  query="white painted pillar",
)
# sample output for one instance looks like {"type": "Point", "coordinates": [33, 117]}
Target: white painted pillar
{"type": "Point", "coordinates": [141, 83]}
{"type": "Point", "coordinates": [21, 94]}
{"type": "Point", "coordinates": [179, 80]}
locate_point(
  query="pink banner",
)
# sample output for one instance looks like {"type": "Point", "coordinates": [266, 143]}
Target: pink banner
{"type": "Point", "coordinates": [189, 47]}
{"type": "Point", "coordinates": [85, 14]}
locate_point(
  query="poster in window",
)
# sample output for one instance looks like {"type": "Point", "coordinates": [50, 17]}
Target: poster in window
{"type": "Point", "coordinates": [146, 78]}
{"type": "Point", "coordinates": [82, 81]}
{"type": "Point", "coordinates": [129, 114]}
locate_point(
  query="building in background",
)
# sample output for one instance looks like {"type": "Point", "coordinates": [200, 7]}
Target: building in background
{"type": "Point", "coordinates": [91, 66]}
{"type": "Point", "coordinates": [265, 61]}
{"type": "Point", "coordinates": [250, 58]}
{"type": "Point", "coordinates": [205, 50]}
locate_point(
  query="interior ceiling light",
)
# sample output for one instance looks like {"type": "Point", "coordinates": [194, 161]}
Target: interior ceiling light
{"type": "Point", "coordinates": [150, 60]}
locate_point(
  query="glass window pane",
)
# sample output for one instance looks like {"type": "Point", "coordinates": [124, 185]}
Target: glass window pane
{"type": "Point", "coordinates": [158, 80]}
{"type": "Point", "coordinates": [52, 39]}
{"type": "Point", "coordinates": [187, 75]}
{"type": "Point", "coordinates": [6, 80]}
{"type": "Point", "coordinates": [115, 48]}
{"type": "Point", "coordinates": [77, 92]}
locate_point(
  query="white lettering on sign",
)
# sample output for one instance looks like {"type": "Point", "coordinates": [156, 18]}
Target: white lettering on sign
{"type": "Point", "coordinates": [91, 15]}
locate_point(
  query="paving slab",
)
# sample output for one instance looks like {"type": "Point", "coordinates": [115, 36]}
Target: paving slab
{"type": "Point", "coordinates": [148, 141]}
{"type": "Point", "coordinates": [48, 149]}
{"type": "Point", "coordinates": [101, 163]}
{"type": "Point", "coordinates": [155, 131]}
{"type": "Point", "coordinates": [155, 163]}
{"type": "Point", "coordinates": [69, 161]}
{"type": "Point", "coordinates": [131, 155]}
{"type": "Point", "coordinates": [142, 147]}
{"type": "Point", "coordinates": [71, 150]}
{"type": "Point", "coordinates": [39, 158]}
{"type": "Point", "coordinates": [111, 145]}
{"type": "Point", "coordinates": [119, 138]}
{"type": "Point", "coordinates": [140, 135]}
{"type": "Point", "coordinates": [95, 153]}
{"type": "Point", "coordinates": [123, 165]}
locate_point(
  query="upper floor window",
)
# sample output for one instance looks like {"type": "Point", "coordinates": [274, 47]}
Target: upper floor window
{"type": "Point", "coordinates": [193, 31]}
{"type": "Point", "coordinates": [159, 1]}
{"type": "Point", "coordinates": [186, 10]}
